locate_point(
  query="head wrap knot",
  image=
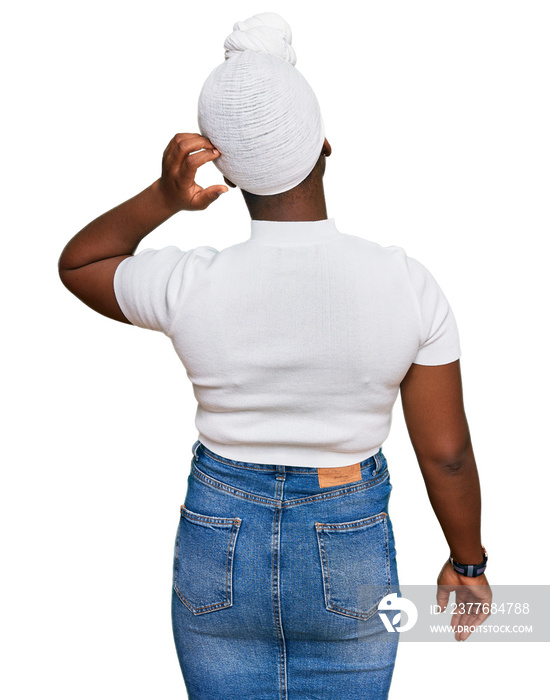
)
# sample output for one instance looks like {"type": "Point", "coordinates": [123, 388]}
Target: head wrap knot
{"type": "Point", "coordinates": [264, 33]}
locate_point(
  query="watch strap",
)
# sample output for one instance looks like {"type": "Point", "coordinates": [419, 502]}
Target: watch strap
{"type": "Point", "coordinates": [470, 569]}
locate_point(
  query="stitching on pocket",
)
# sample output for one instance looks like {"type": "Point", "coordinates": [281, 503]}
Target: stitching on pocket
{"type": "Point", "coordinates": [344, 567]}
{"type": "Point", "coordinates": [216, 536]}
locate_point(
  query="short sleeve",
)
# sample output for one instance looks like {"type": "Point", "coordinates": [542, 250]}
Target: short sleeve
{"type": "Point", "coordinates": [440, 342]}
{"type": "Point", "coordinates": [149, 286]}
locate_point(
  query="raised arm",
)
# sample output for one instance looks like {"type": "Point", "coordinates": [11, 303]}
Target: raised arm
{"type": "Point", "coordinates": [434, 413]}
{"type": "Point", "coordinates": [89, 260]}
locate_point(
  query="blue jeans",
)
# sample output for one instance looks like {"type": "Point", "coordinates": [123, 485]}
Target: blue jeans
{"type": "Point", "coordinates": [273, 582]}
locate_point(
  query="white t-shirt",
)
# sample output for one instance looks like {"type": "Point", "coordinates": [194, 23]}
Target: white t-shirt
{"type": "Point", "coordinates": [295, 340]}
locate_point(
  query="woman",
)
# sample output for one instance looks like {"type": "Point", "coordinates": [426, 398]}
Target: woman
{"type": "Point", "coordinates": [297, 342]}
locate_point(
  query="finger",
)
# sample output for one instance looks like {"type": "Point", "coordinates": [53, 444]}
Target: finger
{"type": "Point", "coordinates": [205, 198]}
{"type": "Point", "coordinates": [459, 625]}
{"type": "Point", "coordinates": [192, 142]}
{"type": "Point", "coordinates": [167, 153]}
{"type": "Point", "coordinates": [171, 155]}
{"type": "Point", "coordinates": [180, 151]}
{"type": "Point", "coordinates": [470, 621]}
{"type": "Point", "coordinates": [455, 620]}
{"type": "Point", "coordinates": [185, 138]}
{"type": "Point", "coordinates": [189, 135]}
{"type": "Point", "coordinates": [173, 146]}
{"type": "Point", "coordinates": [186, 171]}
{"type": "Point", "coordinates": [466, 629]}
{"type": "Point", "coordinates": [442, 597]}
{"type": "Point", "coordinates": [482, 616]}
{"type": "Point", "coordinates": [195, 160]}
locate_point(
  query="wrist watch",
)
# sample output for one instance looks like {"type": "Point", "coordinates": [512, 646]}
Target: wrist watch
{"type": "Point", "coordinates": [470, 569]}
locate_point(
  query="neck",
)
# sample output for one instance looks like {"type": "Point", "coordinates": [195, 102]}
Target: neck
{"type": "Point", "coordinates": [288, 206]}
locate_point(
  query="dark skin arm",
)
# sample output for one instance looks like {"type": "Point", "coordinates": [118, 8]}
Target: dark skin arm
{"type": "Point", "coordinates": [434, 413]}
{"type": "Point", "coordinates": [88, 262]}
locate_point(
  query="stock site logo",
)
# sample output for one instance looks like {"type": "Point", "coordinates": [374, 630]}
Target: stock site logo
{"type": "Point", "coordinates": [392, 602]}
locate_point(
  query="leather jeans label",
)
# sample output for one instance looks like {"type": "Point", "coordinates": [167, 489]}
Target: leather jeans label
{"type": "Point", "coordinates": [336, 476]}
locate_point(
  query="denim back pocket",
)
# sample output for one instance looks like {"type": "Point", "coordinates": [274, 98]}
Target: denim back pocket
{"type": "Point", "coordinates": [355, 563]}
{"type": "Point", "coordinates": [203, 561]}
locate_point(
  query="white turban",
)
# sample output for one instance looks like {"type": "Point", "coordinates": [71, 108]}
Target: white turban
{"type": "Point", "coordinates": [258, 110]}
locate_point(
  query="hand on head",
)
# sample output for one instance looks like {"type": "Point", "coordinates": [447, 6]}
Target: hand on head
{"type": "Point", "coordinates": [181, 159]}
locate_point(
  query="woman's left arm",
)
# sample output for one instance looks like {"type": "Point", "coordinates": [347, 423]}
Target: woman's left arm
{"type": "Point", "coordinates": [88, 262]}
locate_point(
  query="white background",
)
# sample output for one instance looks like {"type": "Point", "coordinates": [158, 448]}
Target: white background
{"type": "Point", "coordinates": [438, 116]}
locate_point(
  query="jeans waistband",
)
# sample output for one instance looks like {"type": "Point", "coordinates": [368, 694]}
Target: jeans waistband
{"type": "Point", "coordinates": [378, 459]}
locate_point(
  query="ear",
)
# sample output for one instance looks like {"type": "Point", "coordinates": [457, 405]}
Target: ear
{"type": "Point", "coordinates": [228, 182]}
{"type": "Point", "coordinates": [327, 149]}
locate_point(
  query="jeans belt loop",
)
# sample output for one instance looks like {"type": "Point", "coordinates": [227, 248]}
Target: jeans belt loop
{"type": "Point", "coordinates": [378, 462]}
{"type": "Point", "coordinates": [195, 447]}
